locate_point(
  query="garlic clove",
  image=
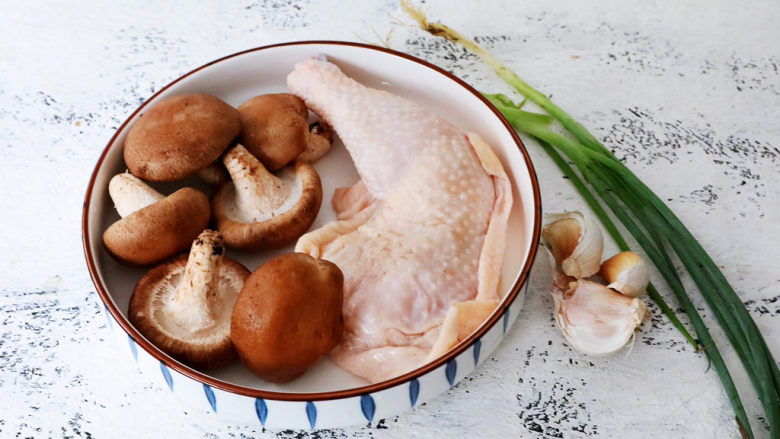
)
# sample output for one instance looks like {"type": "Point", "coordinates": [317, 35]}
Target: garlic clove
{"type": "Point", "coordinates": [627, 273]}
{"type": "Point", "coordinates": [576, 243]}
{"type": "Point", "coordinates": [560, 281]}
{"type": "Point", "coordinates": [595, 319]}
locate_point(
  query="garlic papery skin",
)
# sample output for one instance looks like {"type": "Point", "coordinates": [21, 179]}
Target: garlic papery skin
{"type": "Point", "coordinates": [596, 320]}
{"type": "Point", "coordinates": [576, 243]}
{"type": "Point", "coordinates": [626, 273]}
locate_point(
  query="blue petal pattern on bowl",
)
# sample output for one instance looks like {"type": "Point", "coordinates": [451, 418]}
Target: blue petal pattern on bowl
{"type": "Point", "coordinates": [311, 413]}
{"type": "Point", "coordinates": [368, 406]}
{"type": "Point", "coordinates": [414, 391]}
{"type": "Point", "coordinates": [133, 349]}
{"type": "Point", "coordinates": [167, 375]}
{"type": "Point", "coordinates": [261, 408]}
{"type": "Point", "coordinates": [506, 319]}
{"type": "Point", "coordinates": [477, 347]}
{"type": "Point", "coordinates": [450, 370]}
{"type": "Point", "coordinates": [210, 396]}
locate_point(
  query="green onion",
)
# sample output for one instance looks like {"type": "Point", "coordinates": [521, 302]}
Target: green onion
{"type": "Point", "coordinates": [654, 227]}
{"type": "Point", "coordinates": [519, 117]}
{"type": "Point", "coordinates": [656, 253]}
{"type": "Point", "coordinates": [615, 234]}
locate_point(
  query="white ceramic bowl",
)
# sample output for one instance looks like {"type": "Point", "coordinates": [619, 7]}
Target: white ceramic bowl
{"type": "Point", "coordinates": [326, 396]}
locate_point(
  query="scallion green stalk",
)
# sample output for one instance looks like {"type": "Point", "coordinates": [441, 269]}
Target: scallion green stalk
{"type": "Point", "coordinates": [652, 248]}
{"type": "Point", "coordinates": [613, 231]}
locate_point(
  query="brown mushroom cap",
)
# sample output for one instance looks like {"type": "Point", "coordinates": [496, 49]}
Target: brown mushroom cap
{"type": "Point", "coordinates": [274, 128]}
{"type": "Point", "coordinates": [179, 136]}
{"type": "Point", "coordinates": [243, 229]}
{"type": "Point", "coordinates": [288, 315]}
{"type": "Point", "coordinates": [160, 230]}
{"type": "Point", "coordinates": [198, 341]}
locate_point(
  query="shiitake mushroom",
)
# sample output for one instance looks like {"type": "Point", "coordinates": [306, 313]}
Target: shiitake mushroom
{"type": "Point", "coordinates": [289, 313]}
{"type": "Point", "coordinates": [153, 227]}
{"type": "Point", "coordinates": [184, 306]}
{"type": "Point", "coordinates": [274, 129]}
{"type": "Point", "coordinates": [287, 316]}
{"type": "Point", "coordinates": [179, 136]}
{"type": "Point", "coordinates": [259, 210]}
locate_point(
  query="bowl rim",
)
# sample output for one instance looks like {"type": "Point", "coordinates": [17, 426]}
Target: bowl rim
{"type": "Point", "coordinates": [317, 396]}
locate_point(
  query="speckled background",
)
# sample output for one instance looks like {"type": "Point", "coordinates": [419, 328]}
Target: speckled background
{"type": "Point", "coordinates": [688, 94]}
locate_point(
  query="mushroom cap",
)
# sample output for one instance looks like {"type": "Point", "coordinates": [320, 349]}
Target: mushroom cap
{"type": "Point", "coordinates": [288, 315]}
{"type": "Point", "coordinates": [204, 348]}
{"type": "Point", "coordinates": [274, 128]}
{"type": "Point", "coordinates": [180, 135]}
{"type": "Point", "coordinates": [160, 230]}
{"type": "Point", "coordinates": [275, 231]}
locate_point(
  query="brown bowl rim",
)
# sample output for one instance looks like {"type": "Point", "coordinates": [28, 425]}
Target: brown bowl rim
{"type": "Point", "coordinates": [318, 396]}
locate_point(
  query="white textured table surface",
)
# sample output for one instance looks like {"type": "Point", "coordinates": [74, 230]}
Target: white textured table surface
{"type": "Point", "coordinates": [688, 95]}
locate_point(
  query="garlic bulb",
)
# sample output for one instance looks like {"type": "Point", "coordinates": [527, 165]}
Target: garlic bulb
{"type": "Point", "coordinates": [576, 243]}
{"type": "Point", "coordinates": [595, 319]}
{"type": "Point", "coordinates": [627, 273]}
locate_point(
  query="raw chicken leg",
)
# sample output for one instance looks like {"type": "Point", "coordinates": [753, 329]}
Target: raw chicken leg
{"type": "Point", "coordinates": [420, 238]}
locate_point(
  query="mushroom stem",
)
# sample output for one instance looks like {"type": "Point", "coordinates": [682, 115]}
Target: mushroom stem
{"type": "Point", "coordinates": [213, 174]}
{"type": "Point", "coordinates": [190, 306]}
{"type": "Point", "coordinates": [318, 142]}
{"type": "Point", "coordinates": [256, 189]}
{"type": "Point", "coordinates": [129, 193]}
